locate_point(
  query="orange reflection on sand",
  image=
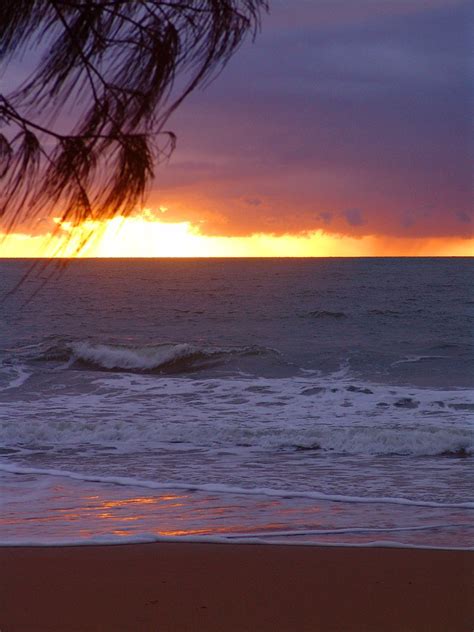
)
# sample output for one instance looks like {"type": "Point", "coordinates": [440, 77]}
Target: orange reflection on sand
{"type": "Point", "coordinates": [107, 509]}
{"type": "Point", "coordinates": [87, 533]}
{"type": "Point", "coordinates": [70, 515]}
{"type": "Point", "coordinates": [177, 532]}
{"type": "Point", "coordinates": [224, 530]}
{"type": "Point", "coordinates": [139, 500]}
{"type": "Point", "coordinates": [112, 504]}
{"type": "Point", "coordinates": [156, 508]}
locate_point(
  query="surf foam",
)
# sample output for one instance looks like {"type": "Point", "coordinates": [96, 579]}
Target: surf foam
{"type": "Point", "coordinates": [231, 489]}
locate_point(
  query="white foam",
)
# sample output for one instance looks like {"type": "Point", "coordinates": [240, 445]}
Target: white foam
{"type": "Point", "coordinates": [18, 375]}
{"type": "Point", "coordinates": [348, 530]}
{"type": "Point", "coordinates": [418, 358]}
{"type": "Point", "coordinates": [231, 489]}
{"type": "Point", "coordinates": [152, 357]}
{"type": "Point", "coordinates": [129, 411]}
{"type": "Point", "coordinates": [138, 358]}
{"type": "Point", "coordinates": [150, 538]}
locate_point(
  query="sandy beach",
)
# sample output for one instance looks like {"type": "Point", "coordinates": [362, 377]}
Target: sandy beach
{"type": "Point", "coordinates": [188, 587]}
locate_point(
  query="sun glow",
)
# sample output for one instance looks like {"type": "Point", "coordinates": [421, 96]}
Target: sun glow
{"type": "Point", "coordinates": [146, 236]}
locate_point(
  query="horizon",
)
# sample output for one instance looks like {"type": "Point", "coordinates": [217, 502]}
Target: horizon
{"type": "Point", "coordinates": [234, 258]}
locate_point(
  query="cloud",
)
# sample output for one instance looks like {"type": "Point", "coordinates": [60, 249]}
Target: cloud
{"type": "Point", "coordinates": [323, 116]}
{"type": "Point", "coordinates": [341, 116]}
{"type": "Point", "coordinates": [354, 217]}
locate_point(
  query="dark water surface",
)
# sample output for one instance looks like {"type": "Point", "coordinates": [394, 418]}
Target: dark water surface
{"type": "Point", "coordinates": [316, 400]}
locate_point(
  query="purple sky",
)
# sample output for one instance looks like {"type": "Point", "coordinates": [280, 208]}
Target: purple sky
{"type": "Point", "coordinates": [353, 117]}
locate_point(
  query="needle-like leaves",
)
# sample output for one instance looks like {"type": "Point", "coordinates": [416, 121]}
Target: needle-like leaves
{"type": "Point", "coordinates": [110, 66]}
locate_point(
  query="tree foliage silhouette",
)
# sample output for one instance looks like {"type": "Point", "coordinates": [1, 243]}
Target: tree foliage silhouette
{"type": "Point", "coordinates": [111, 66]}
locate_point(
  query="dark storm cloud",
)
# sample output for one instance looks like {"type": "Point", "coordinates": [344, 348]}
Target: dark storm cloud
{"type": "Point", "coordinates": [335, 109]}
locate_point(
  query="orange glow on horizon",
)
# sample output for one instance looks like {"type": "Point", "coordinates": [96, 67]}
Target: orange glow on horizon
{"type": "Point", "coordinates": [146, 236]}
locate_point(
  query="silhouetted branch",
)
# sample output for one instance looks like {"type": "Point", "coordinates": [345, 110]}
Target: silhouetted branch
{"type": "Point", "coordinates": [114, 62]}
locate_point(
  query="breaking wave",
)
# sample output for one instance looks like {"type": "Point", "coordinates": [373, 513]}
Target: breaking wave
{"type": "Point", "coordinates": [138, 358]}
{"type": "Point", "coordinates": [269, 414]}
{"type": "Point", "coordinates": [420, 442]}
{"type": "Point", "coordinates": [12, 375]}
{"type": "Point", "coordinates": [162, 358]}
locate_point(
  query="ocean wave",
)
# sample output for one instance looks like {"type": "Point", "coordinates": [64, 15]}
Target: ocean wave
{"type": "Point", "coordinates": [137, 358]}
{"type": "Point", "coordinates": [163, 357]}
{"type": "Point", "coordinates": [216, 488]}
{"type": "Point", "coordinates": [285, 540]}
{"type": "Point", "coordinates": [13, 375]}
{"type": "Point", "coordinates": [172, 431]}
{"type": "Point", "coordinates": [290, 538]}
{"type": "Point", "coordinates": [420, 442]}
{"type": "Point", "coordinates": [419, 358]}
{"type": "Point", "coordinates": [328, 415]}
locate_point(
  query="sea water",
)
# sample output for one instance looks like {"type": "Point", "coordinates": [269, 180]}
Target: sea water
{"type": "Point", "coordinates": [318, 401]}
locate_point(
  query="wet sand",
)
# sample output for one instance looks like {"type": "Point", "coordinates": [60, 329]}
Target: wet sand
{"type": "Point", "coordinates": [243, 588]}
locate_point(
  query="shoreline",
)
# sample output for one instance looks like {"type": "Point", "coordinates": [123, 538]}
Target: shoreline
{"type": "Point", "coordinates": [169, 586]}
{"type": "Point", "coordinates": [244, 541]}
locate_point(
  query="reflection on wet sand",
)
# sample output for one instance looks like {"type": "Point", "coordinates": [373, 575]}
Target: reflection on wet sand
{"type": "Point", "coordinates": [78, 512]}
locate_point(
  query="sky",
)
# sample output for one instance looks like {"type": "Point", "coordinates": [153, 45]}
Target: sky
{"type": "Point", "coordinates": [344, 128]}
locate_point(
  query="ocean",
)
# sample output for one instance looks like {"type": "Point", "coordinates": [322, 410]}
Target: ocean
{"type": "Point", "coordinates": [305, 401]}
